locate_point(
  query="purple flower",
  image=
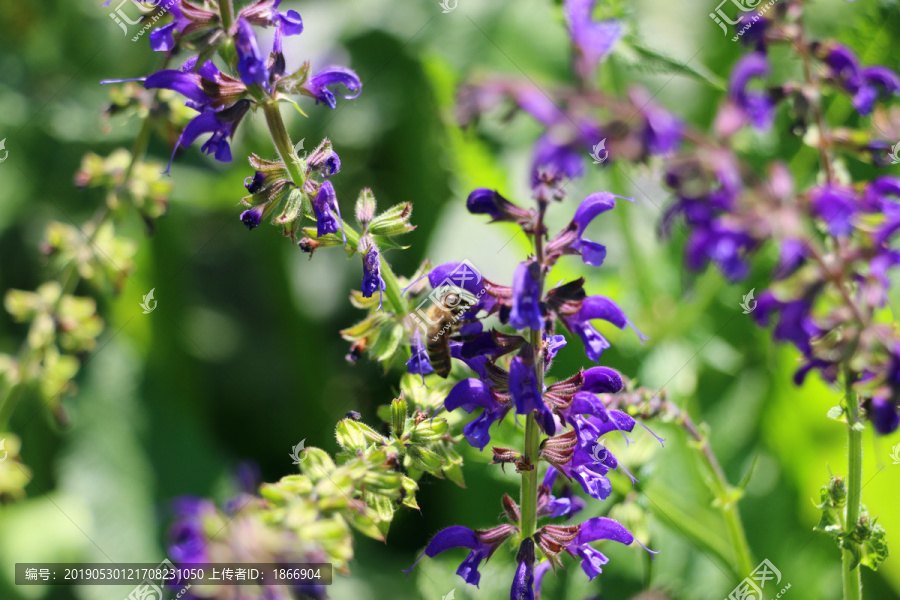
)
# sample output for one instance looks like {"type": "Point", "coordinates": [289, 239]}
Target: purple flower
{"type": "Point", "coordinates": [483, 201]}
{"type": "Point", "coordinates": [523, 387]}
{"type": "Point", "coordinates": [418, 363]}
{"type": "Point", "coordinates": [326, 162]}
{"type": "Point", "coordinates": [288, 22]}
{"type": "Point", "coordinates": [836, 205]}
{"type": "Point", "coordinates": [875, 82]}
{"type": "Point", "coordinates": [662, 131]}
{"type": "Point", "coordinates": [251, 64]}
{"type": "Point", "coordinates": [596, 307]}
{"type": "Point", "coordinates": [468, 395]}
{"type": "Point", "coordinates": [482, 544]}
{"type": "Point", "coordinates": [539, 571]}
{"type": "Point", "coordinates": [592, 253]}
{"type": "Point", "coordinates": [253, 217]}
{"type": "Point", "coordinates": [593, 40]}
{"type": "Point", "coordinates": [162, 39]}
{"type": "Point", "coordinates": [755, 106]}
{"type": "Point", "coordinates": [328, 213]}
{"type": "Point", "coordinates": [601, 380]}
{"type": "Point", "coordinates": [560, 159]}
{"type": "Point", "coordinates": [523, 580]}
{"type": "Point", "coordinates": [795, 323]}
{"type": "Point", "coordinates": [317, 86]}
{"type": "Point", "coordinates": [187, 535]}
{"type": "Point", "coordinates": [884, 415]}
{"type": "Point", "coordinates": [597, 528]}
{"type": "Point", "coordinates": [724, 245]}
{"type": "Point", "coordinates": [255, 183]}
{"type": "Point", "coordinates": [567, 504]}
{"type": "Point", "coordinates": [372, 280]}
{"type": "Point", "coordinates": [526, 308]}
{"type": "Point", "coordinates": [553, 344]}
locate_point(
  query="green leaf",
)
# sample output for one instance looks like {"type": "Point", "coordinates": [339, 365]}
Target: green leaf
{"type": "Point", "coordinates": [387, 342]}
{"type": "Point", "coordinates": [745, 480]}
{"type": "Point", "coordinates": [655, 58]}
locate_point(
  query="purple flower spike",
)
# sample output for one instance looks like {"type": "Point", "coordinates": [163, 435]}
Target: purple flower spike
{"type": "Point", "coordinates": [757, 107]}
{"type": "Point", "coordinates": [593, 40]}
{"type": "Point", "coordinates": [876, 82]}
{"type": "Point", "coordinates": [189, 540]}
{"type": "Point", "coordinates": [251, 64]}
{"type": "Point", "coordinates": [526, 309]}
{"type": "Point", "coordinates": [317, 86]}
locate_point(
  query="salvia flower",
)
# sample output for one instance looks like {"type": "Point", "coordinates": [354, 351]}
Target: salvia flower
{"type": "Point", "coordinates": [526, 309]}
{"type": "Point", "coordinates": [484, 201]}
{"type": "Point", "coordinates": [596, 307]}
{"type": "Point", "coordinates": [251, 63]}
{"type": "Point", "coordinates": [328, 213]}
{"type": "Point", "coordinates": [592, 253]}
{"type": "Point", "coordinates": [189, 540]}
{"type": "Point", "coordinates": [598, 528]}
{"type": "Point", "coordinates": [884, 415]}
{"type": "Point", "coordinates": [318, 85]}
{"type": "Point", "coordinates": [593, 40]}
{"type": "Point", "coordinates": [523, 580]}
{"type": "Point", "coordinates": [757, 107]}
{"type": "Point", "coordinates": [372, 280]}
{"type": "Point", "coordinates": [470, 394]}
{"type": "Point", "coordinates": [482, 544]}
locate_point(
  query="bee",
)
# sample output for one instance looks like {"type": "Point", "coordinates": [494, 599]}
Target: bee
{"type": "Point", "coordinates": [442, 320]}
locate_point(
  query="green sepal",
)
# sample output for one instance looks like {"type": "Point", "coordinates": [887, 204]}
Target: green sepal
{"type": "Point", "coordinates": [429, 430]}
{"type": "Point", "coordinates": [393, 221]}
{"type": "Point", "coordinates": [398, 416]}
{"type": "Point", "coordinates": [425, 459]}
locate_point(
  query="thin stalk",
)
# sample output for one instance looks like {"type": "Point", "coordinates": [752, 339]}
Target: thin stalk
{"type": "Point", "coordinates": [226, 11]}
{"type": "Point", "coordinates": [723, 490]}
{"type": "Point", "coordinates": [851, 577]}
{"type": "Point", "coordinates": [294, 165]}
{"type": "Point", "coordinates": [528, 500]}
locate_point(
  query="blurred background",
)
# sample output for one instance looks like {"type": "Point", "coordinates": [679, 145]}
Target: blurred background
{"type": "Point", "coordinates": [242, 358]}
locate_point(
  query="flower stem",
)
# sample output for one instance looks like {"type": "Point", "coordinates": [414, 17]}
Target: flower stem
{"type": "Point", "coordinates": [226, 11]}
{"type": "Point", "coordinates": [851, 577]}
{"type": "Point", "coordinates": [528, 498]}
{"type": "Point", "coordinates": [294, 165]}
{"type": "Point", "coordinates": [743, 560]}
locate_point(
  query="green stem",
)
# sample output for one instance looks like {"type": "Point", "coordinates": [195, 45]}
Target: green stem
{"type": "Point", "coordinates": [528, 496]}
{"type": "Point", "coordinates": [226, 11]}
{"type": "Point", "coordinates": [295, 168]}
{"type": "Point", "coordinates": [743, 560]}
{"type": "Point", "coordinates": [851, 577]}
